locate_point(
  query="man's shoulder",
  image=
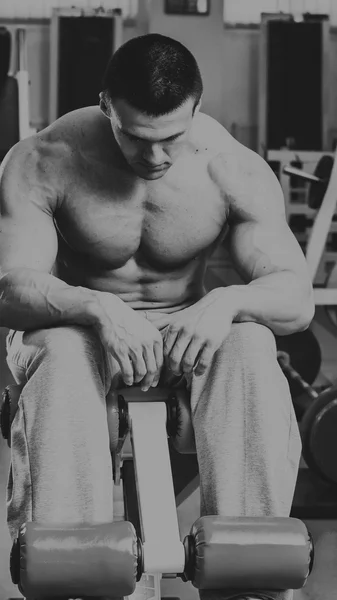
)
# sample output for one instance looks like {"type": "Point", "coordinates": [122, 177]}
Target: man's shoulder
{"type": "Point", "coordinates": [210, 134]}
{"type": "Point", "coordinates": [56, 149]}
{"type": "Point", "coordinates": [42, 148]}
{"type": "Point", "coordinates": [222, 145]}
{"type": "Point", "coordinates": [223, 150]}
{"type": "Point", "coordinates": [239, 172]}
{"type": "Point", "coordinates": [74, 129]}
{"type": "Point", "coordinates": [34, 159]}
{"type": "Point", "coordinates": [39, 162]}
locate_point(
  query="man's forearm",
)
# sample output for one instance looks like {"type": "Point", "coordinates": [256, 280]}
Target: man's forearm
{"type": "Point", "coordinates": [281, 301]}
{"type": "Point", "coordinates": [30, 300]}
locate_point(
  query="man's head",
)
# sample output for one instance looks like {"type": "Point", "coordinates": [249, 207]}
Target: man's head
{"type": "Point", "coordinates": [151, 89]}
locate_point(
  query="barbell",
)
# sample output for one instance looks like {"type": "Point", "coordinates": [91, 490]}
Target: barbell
{"type": "Point", "coordinates": [318, 181]}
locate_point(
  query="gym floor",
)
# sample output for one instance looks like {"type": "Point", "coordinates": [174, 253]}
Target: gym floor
{"type": "Point", "coordinates": [322, 584]}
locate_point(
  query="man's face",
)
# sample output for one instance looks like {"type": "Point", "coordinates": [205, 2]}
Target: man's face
{"type": "Point", "coordinates": [150, 145]}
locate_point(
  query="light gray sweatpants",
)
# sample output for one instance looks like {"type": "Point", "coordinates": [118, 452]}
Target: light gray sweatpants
{"type": "Point", "coordinates": [247, 438]}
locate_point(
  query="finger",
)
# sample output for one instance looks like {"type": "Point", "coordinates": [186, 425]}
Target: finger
{"type": "Point", "coordinates": [169, 339]}
{"type": "Point", "coordinates": [151, 368]}
{"type": "Point", "coordinates": [178, 350]}
{"type": "Point", "coordinates": [139, 369]}
{"type": "Point", "coordinates": [159, 356]}
{"type": "Point", "coordinates": [138, 364]}
{"type": "Point", "coordinates": [192, 353]}
{"type": "Point", "coordinates": [126, 368]}
{"type": "Point", "coordinates": [204, 359]}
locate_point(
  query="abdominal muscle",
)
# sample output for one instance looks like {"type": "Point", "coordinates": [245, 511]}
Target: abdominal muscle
{"type": "Point", "coordinates": [141, 288]}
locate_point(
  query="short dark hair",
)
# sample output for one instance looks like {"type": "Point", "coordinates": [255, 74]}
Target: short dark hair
{"type": "Point", "coordinates": [153, 73]}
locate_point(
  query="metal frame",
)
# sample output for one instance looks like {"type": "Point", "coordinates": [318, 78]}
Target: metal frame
{"type": "Point", "coordinates": [23, 83]}
{"type": "Point", "coordinates": [322, 219]}
{"type": "Point", "coordinates": [20, 72]}
{"type": "Point", "coordinates": [117, 25]}
{"type": "Point", "coordinates": [163, 551]}
{"type": "Point", "coordinates": [146, 497]}
{"type": "Point", "coordinates": [319, 234]}
{"type": "Point", "coordinates": [310, 158]}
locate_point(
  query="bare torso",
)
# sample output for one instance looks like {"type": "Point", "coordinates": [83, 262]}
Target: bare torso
{"type": "Point", "coordinates": [146, 241]}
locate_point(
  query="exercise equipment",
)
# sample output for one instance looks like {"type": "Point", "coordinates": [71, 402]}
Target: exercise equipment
{"type": "Point", "coordinates": [317, 415]}
{"type": "Point", "coordinates": [318, 181]}
{"type": "Point", "coordinates": [10, 399]}
{"type": "Point", "coordinates": [14, 90]}
{"type": "Point", "coordinates": [305, 357]}
{"type": "Point", "coordinates": [331, 284]}
{"type": "Point", "coordinates": [322, 193]}
{"type": "Point", "coordinates": [108, 559]}
{"type": "Point", "coordinates": [22, 77]}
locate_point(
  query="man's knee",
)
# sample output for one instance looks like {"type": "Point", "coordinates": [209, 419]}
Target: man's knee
{"type": "Point", "coordinates": [68, 352]}
{"type": "Point", "coordinates": [252, 339]}
{"type": "Point", "coordinates": [64, 341]}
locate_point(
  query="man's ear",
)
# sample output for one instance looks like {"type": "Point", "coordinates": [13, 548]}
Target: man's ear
{"type": "Point", "coordinates": [198, 106]}
{"type": "Point", "coordinates": [104, 105]}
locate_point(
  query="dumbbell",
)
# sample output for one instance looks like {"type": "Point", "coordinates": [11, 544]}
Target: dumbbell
{"type": "Point", "coordinates": [318, 181]}
{"type": "Point", "coordinates": [317, 414]}
{"type": "Point", "coordinates": [108, 559]}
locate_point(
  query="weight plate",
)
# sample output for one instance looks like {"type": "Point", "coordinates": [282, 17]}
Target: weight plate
{"type": "Point", "coordinates": [319, 440]}
{"type": "Point", "coordinates": [305, 356]}
{"type": "Point", "coordinates": [323, 441]}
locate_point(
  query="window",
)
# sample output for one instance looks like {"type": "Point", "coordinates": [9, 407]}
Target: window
{"type": "Point", "coordinates": [42, 9]}
{"type": "Point", "coordinates": [248, 12]}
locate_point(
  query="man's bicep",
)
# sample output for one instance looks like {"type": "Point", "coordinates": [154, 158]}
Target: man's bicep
{"type": "Point", "coordinates": [261, 247]}
{"type": "Point", "coordinates": [259, 239]}
{"type": "Point", "coordinates": [30, 244]}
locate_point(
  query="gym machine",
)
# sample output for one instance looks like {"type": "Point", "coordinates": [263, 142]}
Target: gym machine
{"type": "Point", "coordinates": [14, 89]}
{"type": "Point", "coordinates": [109, 559]}
{"type": "Point", "coordinates": [317, 416]}
{"type": "Point", "coordinates": [322, 196]}
{"type": "Point", "coordinates": [317, 413]}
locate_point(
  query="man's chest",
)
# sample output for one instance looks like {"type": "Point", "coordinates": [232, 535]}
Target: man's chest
{"type": "Point", "coordinates": [171, 220]}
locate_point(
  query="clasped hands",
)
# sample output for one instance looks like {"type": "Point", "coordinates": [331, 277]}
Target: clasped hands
{"type": "Point", "coordinates": [186, 340]}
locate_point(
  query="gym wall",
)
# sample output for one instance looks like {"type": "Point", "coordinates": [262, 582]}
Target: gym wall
{"type": "Point", "coordinates": [228, 60]}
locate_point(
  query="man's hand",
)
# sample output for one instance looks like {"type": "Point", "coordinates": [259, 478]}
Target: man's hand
{"type": "Point", "coordinates": [193, 335]}
{"type": "Point", "coordinates": [133, 341]}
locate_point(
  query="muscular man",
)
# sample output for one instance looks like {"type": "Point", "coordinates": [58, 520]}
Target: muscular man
{"type": "Point", "coordinates": [108, 217]}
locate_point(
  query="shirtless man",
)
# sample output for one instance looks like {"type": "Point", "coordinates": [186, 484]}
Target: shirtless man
{"type": "Point", "coordinates": [108, 217]}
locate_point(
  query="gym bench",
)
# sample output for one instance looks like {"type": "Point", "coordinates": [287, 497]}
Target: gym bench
{"type": "Point", "coordinates": [109, 559]}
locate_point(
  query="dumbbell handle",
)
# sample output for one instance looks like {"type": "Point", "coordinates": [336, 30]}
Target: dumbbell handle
{"type": "Point", "coordinates": [289, 170]}
{"type": "Point", "coordinates": [284, 360]}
